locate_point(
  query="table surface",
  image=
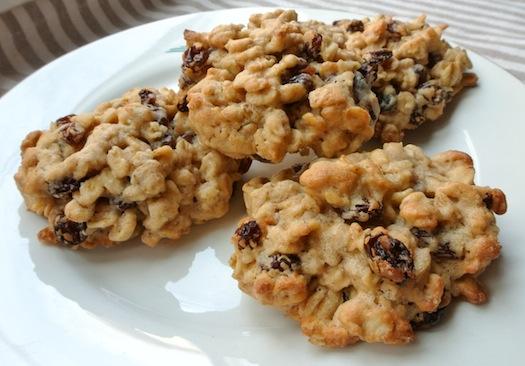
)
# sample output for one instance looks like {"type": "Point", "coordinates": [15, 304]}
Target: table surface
{"type": "Point", "coordinates": [35, 32]}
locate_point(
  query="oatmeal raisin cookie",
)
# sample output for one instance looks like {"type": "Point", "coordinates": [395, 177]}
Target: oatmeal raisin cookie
{"type": "Point", "coordinates": [123, 171]}
{"type": "Point", "coordinates": [370, 246]}
{"type": "Point", "coordinates": [413, 71]}
{"type": "Point", "coordinates": [272, 87]}
{"type": "Point", "coordinates": [281, 85]}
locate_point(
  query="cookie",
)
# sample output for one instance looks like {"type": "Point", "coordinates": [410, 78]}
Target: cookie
{"type": "Point", "coordinates": [123, 171]}
{"type": "Point", "coordinates": [370, 246]}
{"type": "Point", "coordinates": [264, 90]}
{"type": "Point", "coordinates": [412, 70]}
{"type": "Point", "coordinates": [282, 86]}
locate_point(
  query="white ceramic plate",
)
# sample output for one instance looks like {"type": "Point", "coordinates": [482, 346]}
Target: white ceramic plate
{"type": "Point", "coordinates": [178, 305]}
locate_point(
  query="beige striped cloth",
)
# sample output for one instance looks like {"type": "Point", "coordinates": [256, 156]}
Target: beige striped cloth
{"type": "Point", "coordinates": [35, 32]}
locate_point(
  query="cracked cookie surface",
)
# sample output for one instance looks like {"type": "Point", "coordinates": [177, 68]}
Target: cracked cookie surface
{"type": "Point", "coordinates": [123, 171]}
{"type": "Point", "coordinates": [370, 246]}
{"type": "Point", "coordinates": [281, 85]}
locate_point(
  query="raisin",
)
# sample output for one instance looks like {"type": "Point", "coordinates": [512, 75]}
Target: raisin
{"type": "Point", "coordinates": [365, 208]}
{"type": "Point", "coordinates": [189, 136]}
{"type": "Point", "coordinates": [488, 200]}
{"type": "Point", "coordinates": [260, 158]}
{"type": "Point", "coordinates": [295, 111]}
{"type": "Point", "coordinates": [433, 58]}
{"type": "Point", "coordinates": [63, 188]}
{"type": "Point", "coordinates": [302, 78]}
{"type": "Point", "coordinates": [183, 105]}
{"type": "Point", "coordinates": [396, 85]}
{"type": "Point", "coordinates": [69, 130]}
{"type": "Point", "coordinates": [163, 121]}
{"type": "Point", "coordinates": [423, 237]}
{"type": "Point", "coordinates": [426, 320]}
{"type": "Point", "coordinates": [195, 58]}
{"type": "Point", "coordinates": [65, 120]}
{"type": "Point", "coordinates": [169, 140]}
{"type": "Point", "coordinates": [444, 252]}
{"type": "Point", "coordinates": [420, 233]}
{"type": "Point", "coordinates": [362, 212]}
{"type": "Point", "coordinates": [72, 134]}
{"type": "Point", "coordinates": [147, 97]}
{"type": "Point", "coordinates": [390, 257]}
{"type": "Point", "coordinates": [387, 102]}
{"type": "Point", "coordinates": [362, 92]}
{"type": "Point", "coordinates": [316, 43]}
{"type": "Point", "coordinates": [244, 165]}
{"type": "Point", "coordinates": [345, 294]}
{"type": "Point", "coordinates": [394, 35]}
{"type": "Point", "coordinates": [160, 114]}
{"type": "Point", "coordinates": [379, 57]}
{"type": "Point", "coordinates": [416, 118]}
{"type": "Point", "coordinates": [313, 49]}
{"type": "Point", "coordinates": [360, 85]}
{"type": "Point", "coordinates": [355, 26]}
{"type": "Point", "coordinates": [68, 232]}
{"type": "Point", "coordinates": [362, 207]}
{"type": "Point", "coordinates": [421, 73]}
{"type": "Point", "coordinates": [370, 67]}
{"type": "Point", "coordinates": [249, 234]}
{"type": "Point", "coordinates": [121, 204]}
{"type": "Point", "coordinates": [369, 71]}
{"type": "Point", "coordinates": [302, 64]}
{"type": "Point", "coordinates": [283, 262]}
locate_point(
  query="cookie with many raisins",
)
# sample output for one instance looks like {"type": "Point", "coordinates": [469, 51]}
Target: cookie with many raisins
{"type": "Point", "coordinates": [280, 85]}
{"type": "Point", "coordinates": [272, 88]}
{"type": "Point", "coordinates": [411, 69]}
{"type": "Point", "coordinates": [370, 246]}
{"type": "Point", "coordinates": [123, 171]}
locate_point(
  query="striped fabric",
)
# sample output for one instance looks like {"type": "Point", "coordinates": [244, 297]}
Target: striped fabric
{"type": "Point", "coordinates": [35, 32]}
